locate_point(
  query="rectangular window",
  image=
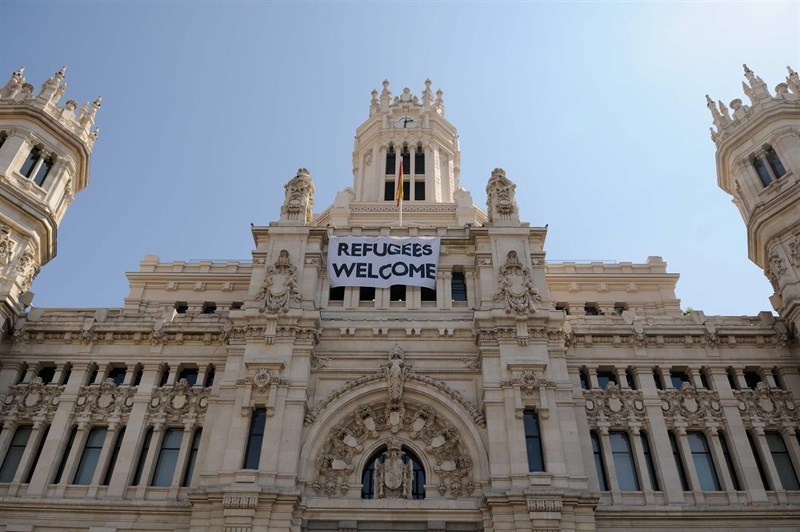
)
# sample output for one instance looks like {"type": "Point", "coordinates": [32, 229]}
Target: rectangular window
{"type": "Point", "coordinates": [90, 456]}
{"type": "Point", "coordinates": [533, 441]}
{"type": "Point", "coordinates": [336, 294]}
{"type": "Point", "coordinates": [458, 286]}
{"type": "Point", "coordinates": [676, 454]}
{"type": "Point", "coordinates": [729, 461]}
{"type": "Point", "coordinates": [15, 451]}
{"type": "Point", "coordinates": [65, 455]}
{"type": "Point", "coordinates": [167, 457]}
{"type": "Point", "coordinates": [255, 437]}
{"type": "Point", "coordinates": [648, 458]}
{"type": "Point", "coordinates": [598, 462]}
{"type": "Point", "coordinates": [419, 190]}
{"type": "Point", "coordinates": [187, 476]}
{"type": "Point", "coordinates": [36, 457]}
{"type": "Point", "coordinates": [783, 462]}
{"type": "Point", "coordinates": [114, 455]}
{"type": "Point", "coordinates": [137, 476]}
{"type": "Point", "coordinates": [623, 461]}
{"type": "Point", "coordinates": [703, 463]}
{"type": "Point", "coordinates": [759, 464]}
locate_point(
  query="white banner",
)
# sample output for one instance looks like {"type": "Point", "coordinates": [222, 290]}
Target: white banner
{"type": "Point", "coordinates": [383, 261]}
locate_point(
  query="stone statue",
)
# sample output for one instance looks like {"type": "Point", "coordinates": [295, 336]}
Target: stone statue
{"type": "Point", "coordinates": [501, 204]}
{"type": "Point", "coordinates": [299, 201]}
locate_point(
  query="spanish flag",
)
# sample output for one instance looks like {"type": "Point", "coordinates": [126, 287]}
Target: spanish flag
{"type": "Point", "coordinates": [398, 190]}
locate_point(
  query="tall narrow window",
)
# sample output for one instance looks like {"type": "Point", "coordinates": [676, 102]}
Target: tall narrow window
{"type": "Point", "coordinates": [703, 463]}
{"type": "Point", "coordinates": [137, 476]}
{"type": "Point", "coordinates": [114, 455]}
{"type": "Point", "coordinates": [90, 456]}
{"type": "Point", "coordinates": [723, 441]}
{"type": "Point", "coordinates": [65, 455]}
{"type": "Point", "coordinates": [533, 441]}
{"type": "Point", "coordinates": [458, 286]}
{"type": "Point", "coordinates": [648, 458]}
{"type": "Point", "coordinates": [775, 163]}
{"type": "Point", "coordinates": [391, 164]}
{"type": "Point", "coordinates": [676, 454]}
{"type": "Point", "coordinates": [599, 464]}
{"type": "Point", "coordinates": [167, 457]}
{"type": "Point", "coordinates": [761, 170]}
{"type": "Point", "coordinates": [419, 160]}
{"type": "Point", "coordinates": [36, 456]}
{"type": "Point", "coordinates": [623, 461]}
{"type": "Point", "coordinates": [255, 438]}
{"type": "Point", "coordinates": [783, 462]}
{"type": "Point", "coordinates": [187, 476]}
{"type": "Point", "coordinates": [759, 464]}
{"type": "Point", "coordinates": [15, 452]}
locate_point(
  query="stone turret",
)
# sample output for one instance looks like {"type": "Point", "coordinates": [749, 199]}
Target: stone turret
{"type": "Point", "coordinates": [45, 148]}
{"type": "Point", "coordinates": [758, 163]}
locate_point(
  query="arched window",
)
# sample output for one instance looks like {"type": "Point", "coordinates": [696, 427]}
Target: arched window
{"type": "Point", "coordinates": [417, 478]}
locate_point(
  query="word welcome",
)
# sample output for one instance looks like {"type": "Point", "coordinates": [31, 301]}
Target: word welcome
{"type": "Point", "coordinates": [383, 261]}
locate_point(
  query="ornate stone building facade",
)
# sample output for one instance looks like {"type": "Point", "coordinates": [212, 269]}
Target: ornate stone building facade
{"type": "Point", "coordinates": [508, 394]}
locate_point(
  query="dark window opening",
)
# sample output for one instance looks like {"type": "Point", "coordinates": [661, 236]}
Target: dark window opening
{"type": "Point", "coordinates": [47, 374]}
{"type": "Point", "coordinates": [391, 163]}
{"type": "Point", "coordinates": [181, 307]}
{"type": "Point", "coordinates": [775, 163]}
{"type": "Point", "coordinates": [419, 161]}
{"type": "Point", "coordinates": [419, 190]}
{"type": "Point", "coordinates": [190, 374]}
{"type": "Point", "coordinates": [428, 294]}
{"type": "Point", "coordinates": [209, 308]}
{"type": "Point", "coordinates": [366, 293]}
{"type": "Point", "coordinates": [458, 286]}
{"type": "Point", "coordinates": [533, 441]}
{"type": "Point", "coordinates": [397, 292]}
{"type": "Point", "coordinates": [255, 438]}
{"type": "Point", "coordinates": [117, 375]}
{"type": "Point", "coordinates": [417, 476]}
{"type": "Point", "coordinates": [336, 293]}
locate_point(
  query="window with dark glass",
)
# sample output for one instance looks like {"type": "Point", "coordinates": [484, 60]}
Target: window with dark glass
{"type": "Point", "coordinates": [114, 455]}
{"type": "Point", "coordinates": [458, 286]}
{"type": "Point", "coordinates": [723, 442]}
{"type": "Point", "coordinates": [648, 460]}
{"type": "Point", "coordinates": [533, 441]}
{"type": "Point", "coordinates": [65, 455]}
{"type": "Point", "coordinates": [211, 373]}
{"type": "Point", "coordinates": [419, 190]}
{"type": "Point", "coordinates": [117, 374]}
{"type": "Point", "coordinates": [391, 164]}
{"type": "Point", "coordinates": [336, 293]}
{"type": "Point", "coordinates": [90, 456]}
{"type": "Point", "coordinates": [37, 455]}
{"type": "Point", "coordinates": [255, 438]}
{"type": "Point", "coordinates": [775, 163]}
{"type": "Point", "coordinates": [599, 463]}
{"type": "Point", "coordinates": [167, 457]}
{"type": "Point", "coordinates": [676, 454]}
{"type": "Point", "coordinates": [428, 294]}
{"type": "Point", "coordinates": [677, 378]}
{"type": "Point", "coordinates": [187, 476]}
{"type": "Point", "coordinates": [782, 460]}
{"type": "Point", "coordinates": [759, 464]}
{"type": "Point", "coordinates": [703, 463]}
{"type": "Point", "coordinates": [623, 461]}
{"type": "Point", "coordinates": [752, 378]}
{"type": "Point", "coordinates": [366, 293]}
{"type": "Point", "coordinates": [397, 292]}
{"type": "Point", "coordinates": [137, 476]}
{"type": "Point", "coordinates": [761, 170]}
{"type": "Point", "coordinates": [417, 477]}
{"type": "Point", "coordinates": [604, 378]}
{"type": "Point", "coordinates": [419, 160]}
{"type": "Point", "coordinates": [47, 373]}
{"type": "Point", "coordinates": [15, 451]}
{"type": "Point", "coordinates": [190, 374]}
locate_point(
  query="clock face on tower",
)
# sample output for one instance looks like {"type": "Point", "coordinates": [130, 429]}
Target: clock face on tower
{"type": "Point", "coordinates": [405, 122]}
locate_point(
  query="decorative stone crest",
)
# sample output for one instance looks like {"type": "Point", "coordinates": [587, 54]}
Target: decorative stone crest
{"type": "Point", "coordinates": [24, 401]}
{"type": "Point", "coordinates": [104, 401]}
{"type": "Point", "coordinates": [280, 286]}
{"type": "Point", "coordinates": [767, 406]}
{"type": "Point", "coordinates": [179, 404]}
{"type": "Point", "coordinates": [515, 287]}
{"type": "Point", "coordinates": [617, 406]}
{"type": "Point", "coordinates": [501, 203]}
{"type": "Point", "coordinates": [392, 478]}
{"type": "Point", "coordinates": [299, 201]}
{"type": "Point", "coordinates": [695, 407]}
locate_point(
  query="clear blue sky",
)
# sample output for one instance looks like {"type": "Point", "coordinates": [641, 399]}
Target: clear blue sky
{"type": "Point", "coordinates": [595, 109]}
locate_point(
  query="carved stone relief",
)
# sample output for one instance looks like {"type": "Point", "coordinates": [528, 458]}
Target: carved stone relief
{"type": "Point", "coordinates": [180, 403]}
{"type": "Point", "coordinates": [768, 406]}
{"type": "Point", "coordinates": [501, 204]}
{"type": "Point", "coordinates": [617, 406]}
{"type": "Point", "coordinates": [299, 198]}
{"type": "Point", "coordinates": [280, 285]}
{"type": "Point", "coordinates": [695, 407]}
{"type": "Point", "coordinates": [24, 401]}
{"type": "Point", "coordinates": [515, 287]}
